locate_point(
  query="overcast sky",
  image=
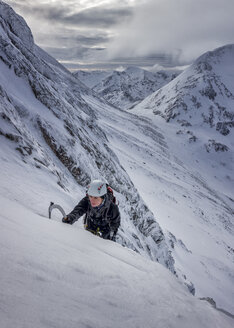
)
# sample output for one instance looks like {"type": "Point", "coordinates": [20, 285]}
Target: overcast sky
{"type": "Point", "coordinates": [119, 33]}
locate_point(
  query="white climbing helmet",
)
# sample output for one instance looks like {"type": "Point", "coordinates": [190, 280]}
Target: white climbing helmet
{"type": "Point", "coordinates": [97, 188]}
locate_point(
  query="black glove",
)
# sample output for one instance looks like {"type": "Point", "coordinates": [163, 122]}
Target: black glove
{"type": "Point", "coordinates": [113, 235]}
{"type": "Point", "coordinates": [66, 219]}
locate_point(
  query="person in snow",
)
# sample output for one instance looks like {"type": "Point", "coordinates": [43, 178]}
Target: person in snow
{"type": "Point", "coordinates": [102, 215]}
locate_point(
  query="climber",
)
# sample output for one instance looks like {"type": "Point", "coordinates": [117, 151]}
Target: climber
{"type": "Point", "coordinates": [102, 215]}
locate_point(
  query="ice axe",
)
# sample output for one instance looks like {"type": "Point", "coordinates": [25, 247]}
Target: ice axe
{"type": "Point", "coordinates": [52, 206]}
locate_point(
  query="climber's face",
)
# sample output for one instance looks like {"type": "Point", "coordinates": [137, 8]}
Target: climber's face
{"type": "Point", "coordinates": [95, 201]}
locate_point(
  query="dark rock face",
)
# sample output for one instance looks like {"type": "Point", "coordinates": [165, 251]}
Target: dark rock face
{"type": "Point", "coordinates": [217, 146]}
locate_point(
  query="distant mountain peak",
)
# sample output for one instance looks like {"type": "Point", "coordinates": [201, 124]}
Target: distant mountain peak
{"type": "Point", "coordinates": [126, 88]}
{"type": "Point", "coordinates": [216, 56]}
{"type": "Point", "coordinates": [201, 96]}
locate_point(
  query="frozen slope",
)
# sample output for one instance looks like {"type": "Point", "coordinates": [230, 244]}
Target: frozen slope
{"type": "Point", "coordinates": [194, 207]}
{"type": "Point", "coordinates": [56, 275]}
{"type": "Point", "coordinates": [190, 187]}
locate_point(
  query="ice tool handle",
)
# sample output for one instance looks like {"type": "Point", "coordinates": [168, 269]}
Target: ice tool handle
{"type": "Point", "coordinates": [52, 206]}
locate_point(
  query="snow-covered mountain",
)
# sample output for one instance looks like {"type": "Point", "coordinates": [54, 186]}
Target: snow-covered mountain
{"type": "Point", "coordinates": [49, 121]}
{"type": "Point", "coordinates": [196, 112]}
{"type": "Point", "coordinates": [91, 78]}
{"type": "Point", "coordinates": [126, 88]}
{"type": "Point", "coordinates": [56, 135]}
{"type": "Point", "coordinates": [201, 98]}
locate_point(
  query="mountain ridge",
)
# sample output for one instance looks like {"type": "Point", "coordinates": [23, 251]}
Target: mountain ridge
{"type": "Point", "coordinates": [199, 96]}
{"type": "Point", "coordinates": [124, 89]}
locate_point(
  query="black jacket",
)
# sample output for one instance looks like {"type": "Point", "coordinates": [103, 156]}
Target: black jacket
{"type": "Point", "coordinates": [106, 218]}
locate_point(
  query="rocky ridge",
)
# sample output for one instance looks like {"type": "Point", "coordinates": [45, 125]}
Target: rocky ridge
{"type": "Point", "coordinates": [124, 89]}
{"type": "Point", "coordinates": [200, 98]}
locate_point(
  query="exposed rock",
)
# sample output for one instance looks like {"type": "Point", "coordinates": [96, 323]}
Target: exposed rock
{"type": "Point", "coordinates": [214, 145]}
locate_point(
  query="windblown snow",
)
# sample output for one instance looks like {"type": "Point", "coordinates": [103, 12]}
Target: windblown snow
{"type": "Point", "coordinates": [171, 168]}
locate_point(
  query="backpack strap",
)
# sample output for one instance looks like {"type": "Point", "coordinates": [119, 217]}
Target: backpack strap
{"type": "Point", "coordinates": [111, 194]}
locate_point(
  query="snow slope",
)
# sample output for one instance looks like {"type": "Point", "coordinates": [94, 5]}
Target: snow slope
{"type": "Point", "coordinates": [56, 275]}
{"type": "Point", "coordinates": [194, 208]}
{"type": "Point", "coordinates": [192, 193]}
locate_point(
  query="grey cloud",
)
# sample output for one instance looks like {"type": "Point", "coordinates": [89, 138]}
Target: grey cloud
{"type": "Point", "coordinates": [99, 17]}
{"type": "Point", "coordinates": [95, 40]}
{"type": "Point", "coordinates": [53, 29]}
{"type": "Point", "coordinates": [145, 62]}
{"type": "Point", "coordinates": [183, 28]}
{"type": "Point", "coordinates": [71, 38]}
{"type": "Point", "coordinates": [47, 11]}
{"type": "Point", "coordinates": [177, 29]}
{"type": "Point", "coordinates": [75, 53]}
{"type": "Point", "coordinates": [68, 54]}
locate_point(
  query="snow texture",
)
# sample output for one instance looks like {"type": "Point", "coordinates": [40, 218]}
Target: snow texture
{"type": "Point", "coordinates": [56, 275]}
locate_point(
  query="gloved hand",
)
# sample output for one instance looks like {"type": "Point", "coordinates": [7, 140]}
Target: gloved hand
{"type": "Point", "coordinates": [113, 235]}
{"type": "Point", "coordinates": [66, 219]}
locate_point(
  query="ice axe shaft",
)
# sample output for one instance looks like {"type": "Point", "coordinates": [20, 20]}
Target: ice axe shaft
{"type": "Point", "coordinates": [52, 206]}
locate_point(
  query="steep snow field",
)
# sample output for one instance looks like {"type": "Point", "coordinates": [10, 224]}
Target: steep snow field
{"type": "Point", "coordinates": [56, 275]}
{"type": "Point", "coordinates": [193, 206]}
{"type": "Point", "coordinates": [191, 193]}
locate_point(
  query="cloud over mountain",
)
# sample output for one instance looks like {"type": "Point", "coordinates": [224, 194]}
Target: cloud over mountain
{"type": "Point", "coordinates": [184, 28]}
